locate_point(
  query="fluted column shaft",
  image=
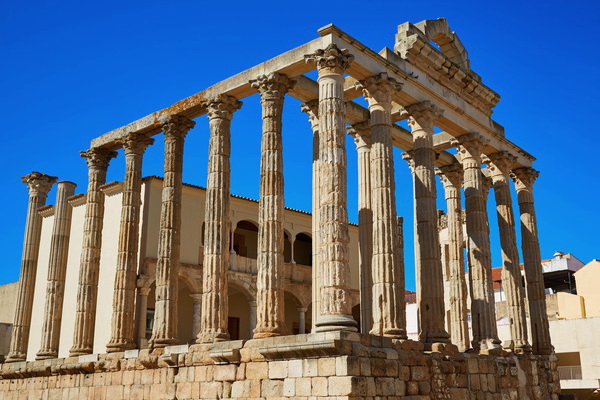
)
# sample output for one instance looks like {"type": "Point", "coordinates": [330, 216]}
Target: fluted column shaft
{"type": "Point", "coordinates": [452, 178]}
{"type": "Point", "coordinates": [122, 324]}
{"type": "Point", "coordinates": [400, 270]}
{"type": "Point", "coordinates": [387, 294]}
{"type": "Point", "coordinates": [87, 291]}
{"type": "Point", "coordinates": [536, 296]}
{"type": "Point", "coordinates": [217, 221]}
{"type": "Point", "coordinates": [362, 138]}
{"type": "Point", "coordinates": [38, 185]}
{"type": "Point", "coordinates": [164, 331]}
{"type": "Point", "coordinates": [312, 109]}
{"type": "Point", "coordinates": [483, 314]}
{"type": "Point", "coordinates": [57, 271]}
{"type": "Point", "coordinates": [197, 299]}
{"type": "Point", "coordinates": [336, 305]}
{"type": "Point", "coordinates": [499, 165]}
{"type": "Point", "coordinates": [269, 281]}
{"type": "Point", "coordinates": [430, 281]}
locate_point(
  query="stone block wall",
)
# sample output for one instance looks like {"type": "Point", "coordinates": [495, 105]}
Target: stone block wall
{"type": "Point", "coordinates": [332, 365]}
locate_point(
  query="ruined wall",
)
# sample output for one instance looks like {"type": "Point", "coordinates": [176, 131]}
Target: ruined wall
{"type": "Point", "coordinates": [326, 365]}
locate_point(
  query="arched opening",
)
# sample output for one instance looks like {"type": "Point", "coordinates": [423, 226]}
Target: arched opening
{"type": "Point", "coordinates": [303, 249]}
{"type": "Point", "coordinates": [240, 314]}
{"type": "Point", "coordinates": [245, 239]}
{"type": "Point", "coordinates": [292, 313]}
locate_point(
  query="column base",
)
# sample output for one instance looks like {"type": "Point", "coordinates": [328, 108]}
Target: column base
{"type": "Point", "coordinates": [488, 346]}
{"type": "Point", "coordinates": [162, 342]}
{"type": "Point", "coordinates": [46, 354]}
{"type": "Point", "coordinates": [82, 351]}
{"type": "Point", "coordinates": [336, 322]}
{"type": "Point", "coordinates": [117, 346]}
{"type": "Point", "coordinates": [260, 333]}
{"type": "Point", "coordinates": [393, 333]}
{"type": "Point", "coordinates": [434, 337]}
{"type": "Point", "coordinates": [16, 357]}
{"type": "Point", "coordinates": [210, 337]}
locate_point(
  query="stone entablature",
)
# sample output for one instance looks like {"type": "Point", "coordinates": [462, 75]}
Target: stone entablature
{"type": "Point", "coordinates": [331, 365]}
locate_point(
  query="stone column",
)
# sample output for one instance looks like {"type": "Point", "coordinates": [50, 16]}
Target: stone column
{"type": "Point", "coordinates": [269, 281]}
{"type": "Point", "coordinates": [452, 178]}
{"type": "Point", "coordinates": [252, 317]}
{"type": "Point", "coordinates": [388, 296]}
{"type": "Point", "coordinates": [39, 185]}
{"type": "Point", "coordinates": [362, 138]}
{"type": "Point", "coordinates": [483, 310]}
{"type": "Point", "coordinates": [164, 332]}
{"type": "Point", "coordinates": [97, 160]}
{"type": "Point", "coordinates": [499, 166]}
{"type": "Point", "coordinates": [122, 324]}
{"type": "Point", "coordinates": [301, 320]}
{"type": "Point", "coordinates": [57, 271]}
{"type": "Point", "coordinates": [400, 270]}
{"type": "Point", "coordinates": [197, 299]}
{"type": "Point", "coordinates": [142, 306]}
{"type": "Point", "coordinates": [312, 109]}
{"type": "Point", "coordinates": [536, 295]}
{"type": "Point", "coordinates": [430, 281]}
{"type": "Point", "coordinates": [334, 274]}
{"type": "Point", "coordinates": [217, 228]}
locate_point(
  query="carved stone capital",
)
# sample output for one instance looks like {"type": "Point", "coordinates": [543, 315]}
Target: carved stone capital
{"type": "Point", "coordinates": [524, 177]}
{"type": "Point", "coordinates": [379, 88]}
{"type": "Point", "coordinates": [135, 143]}
{"type": "Point", "coordinates": [499, 164]}
{"type": "Point", "coordinates": [451, 174]}
{"type": "Point", "coordinates": [332, 59]}
{"type": "Point", "coordinates": [272, 86]}
{"type": "Point", "coordinates": [311, 108]}
{"type": "Point", "coordinates": [98, 157]}
{"type": "Point", "coordinates": [487, 184]}
{"type": "Point", "coordinates": [470, 145]}
{"type": "Point", "coordinates": [423, 115]}
{"type": "Point", "coordinates": [144, 291]}
{"type": "Point", "coordinates": [38, 183]}
{"type": "Point", "coordinates": [407, 156]}
{"type": "Point", "coordinates": [222, 106]}
{"type": "Point", "coordinates": [361, 132]}
{"type": "Point", "coordinates": [176, 126]}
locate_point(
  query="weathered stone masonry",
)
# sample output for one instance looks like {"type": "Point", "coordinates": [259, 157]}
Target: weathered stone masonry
{"type": "Point", "coordinates": [427, 86]}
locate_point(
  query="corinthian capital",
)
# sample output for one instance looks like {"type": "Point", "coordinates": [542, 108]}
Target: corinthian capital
{"type": "Point", "coordinates": [222, 106]}
{"type": "Point", "coordinates": [451, 175]}
{"type": "Point", "coordinates": [272, 86]}
{"type": "Point", "coordinates": [407, 156]}
{"type": "Point", "coordinates": [332, 59]}
{"type": "Point", "coordinates": [470, 145]}
{"type": "Point", "coordinates": [98, 157]}
{"type": "Point", "coordinates": [361, 132]}
{"type": "Point", "coordinates": [311, 108]}
{"type": "Point", "coordinates": [499, 164]}
{"type": "Point", "coordinates": [524, 177]}
{"type": "Point", "coordinates": [379, 88]}
{"type": "Point", "coordinates": [38, 183]}
{"type": "Point", "coordinates": [423, 115]}
{"type": "Point", "coordinates": [176, 126]}
{"type": "Point", "coordinates": [135, 143]}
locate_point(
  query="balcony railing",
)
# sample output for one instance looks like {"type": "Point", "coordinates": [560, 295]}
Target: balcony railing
{"type": "Point", "coordinates": [569, 372]}
{"type": "Point", "coordinates": [294, 272]}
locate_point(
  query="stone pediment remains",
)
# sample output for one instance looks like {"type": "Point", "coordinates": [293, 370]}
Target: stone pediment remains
{"type": "Point", "coordinates": [434, 48]}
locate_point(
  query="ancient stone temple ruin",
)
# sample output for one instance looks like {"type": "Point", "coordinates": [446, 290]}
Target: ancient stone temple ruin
{"type": "Point", "coordinates": [127, 241]}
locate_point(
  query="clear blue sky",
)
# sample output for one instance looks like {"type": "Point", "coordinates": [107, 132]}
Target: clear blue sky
{"type": "Point", "coordinates": [71, 71]}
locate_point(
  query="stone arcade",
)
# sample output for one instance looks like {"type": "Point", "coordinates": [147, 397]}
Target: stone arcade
{"type": "Point", "coordinates": [426, 79]}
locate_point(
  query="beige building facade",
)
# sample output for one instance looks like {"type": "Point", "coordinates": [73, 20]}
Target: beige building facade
{"type": "Point", "coordinates": [149, 288]}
